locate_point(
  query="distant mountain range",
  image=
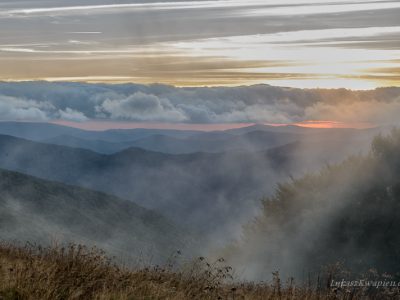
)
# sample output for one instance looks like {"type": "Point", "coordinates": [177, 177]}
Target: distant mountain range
{"type": "Point", "coordinates": [252, 138]}
{"type": "Point", "coordinates": [250, 141]}
{"type": "Point", "coordinates": [36, 210]}
{"type": "Point", "coordinates": [212, 193]}
{"type": "Point", "coordinates": [42, 131]}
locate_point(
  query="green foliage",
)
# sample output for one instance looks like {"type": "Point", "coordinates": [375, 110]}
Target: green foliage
{"type": "Point", "coordinates": [346, 212]}
{"type": "Point", "coordinates": [386, 146]}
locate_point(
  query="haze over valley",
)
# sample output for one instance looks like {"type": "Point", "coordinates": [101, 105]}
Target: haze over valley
{"type": "Point", "coordinates": [208, 149]}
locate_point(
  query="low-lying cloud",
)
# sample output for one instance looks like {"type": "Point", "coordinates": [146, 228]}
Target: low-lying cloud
{"type": "Point", "coordinates": [72, 115]}
{"type": "Point", "coordinates": [141, 107]}
{"type": "Point", "coordinates": [39, 101]}
{"type": "Point", "coordinates": [20, 109]}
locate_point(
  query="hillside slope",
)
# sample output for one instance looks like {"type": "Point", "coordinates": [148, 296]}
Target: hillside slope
{"type": "Point", "coordinates": [347, 213]}
{"type": "Point", "coordinates": [41, 211]}
{"type": "Point", "coordinates": [192, 189]}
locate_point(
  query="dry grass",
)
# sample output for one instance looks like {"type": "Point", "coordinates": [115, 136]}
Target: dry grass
{"type": "Point", "coordinates": [77, 272]}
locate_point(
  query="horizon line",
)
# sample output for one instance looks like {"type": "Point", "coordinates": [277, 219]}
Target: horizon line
{"type": "Point", "coordinates": [104, 125]}
{"type": "Point", "coordinates": [190, 86]}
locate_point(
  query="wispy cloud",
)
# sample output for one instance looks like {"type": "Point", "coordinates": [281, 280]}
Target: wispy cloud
{"type": "Point", "coordinates": [251, 7]}
{"type": "Point", "coordinates": [313, 43]}
{"type": "Point", "coordinates": [319, 8]}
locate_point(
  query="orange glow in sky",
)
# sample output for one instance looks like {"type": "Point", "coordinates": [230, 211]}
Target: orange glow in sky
{"type": "Point", "coordinates": [333, 124]}
{"type": "Point", "coordinates": [106, 125]}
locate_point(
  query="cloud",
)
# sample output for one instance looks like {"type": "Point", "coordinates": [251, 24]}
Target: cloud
{"type": "Point", "coordinates": [198, 42]}
{"type": "Point", "coordinates": [374, 112]}
{"type": "Point", "coordinates": [72, 115]}
{"type": "Point", "coordinates": [162, 103]}
{"type": "Point", "coordinates": [19, 109]}
{"type": "Point", "coordinates": [141, 107]}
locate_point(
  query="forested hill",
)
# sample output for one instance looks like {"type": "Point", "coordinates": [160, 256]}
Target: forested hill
{"type": "Point", "coordinates": [37, 210]}
{"type": "Point", "coordinates": [347, 213]}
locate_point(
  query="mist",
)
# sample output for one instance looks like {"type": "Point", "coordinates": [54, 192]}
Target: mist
{"type": "Point", "coordinates": [212, 196]}
{"type": "Point", "coordinates": [341, 218]}
{"type": "Point", "coordinates": [207, 149]}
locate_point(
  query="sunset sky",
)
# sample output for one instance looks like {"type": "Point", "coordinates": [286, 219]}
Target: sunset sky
{"type": "Point", "coordinates": [268, 61]}
{"type": "Point", "coordinates": [304, 43]}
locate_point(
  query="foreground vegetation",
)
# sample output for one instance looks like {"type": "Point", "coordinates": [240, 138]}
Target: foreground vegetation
{"type": "Point", "coordinates": [77, 272]}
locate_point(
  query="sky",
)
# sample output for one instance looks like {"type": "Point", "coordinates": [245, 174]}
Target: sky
{"type": "Point", "coordinates": [206, 64]}
{"type": "Point", "coordinates": [304, 43]}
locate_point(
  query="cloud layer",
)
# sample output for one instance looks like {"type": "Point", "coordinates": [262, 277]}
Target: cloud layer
{"type": "Point", "coordinates": [41, 101]}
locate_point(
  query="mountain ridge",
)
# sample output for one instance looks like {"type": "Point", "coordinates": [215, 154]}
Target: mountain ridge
{"type": "Point", "coordinates": [38, 210]}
